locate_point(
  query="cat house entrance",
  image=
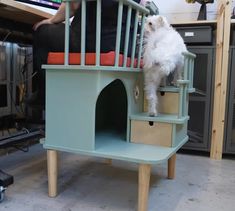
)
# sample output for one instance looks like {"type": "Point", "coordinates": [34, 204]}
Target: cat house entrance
{"type": "Point", "coordinates": [111, 111]}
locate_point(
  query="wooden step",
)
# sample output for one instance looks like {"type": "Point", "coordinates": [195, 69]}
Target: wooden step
{"type": "Point", "coordinates": [166, 118]}
{"type": "Point", "coordinates": [113, 146]}
{"type": "Point", "coordinates": [174, 89]}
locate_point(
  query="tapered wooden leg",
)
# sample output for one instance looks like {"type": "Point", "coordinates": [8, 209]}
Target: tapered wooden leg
{"type": "Point", "coordinates": [171, 167]}
{"type": "Point", "coordinates": [52, 168]}
{"type": "Point", "coordinates": [108, 161]}
{"type": "Point", "coordinates": [144, 179]}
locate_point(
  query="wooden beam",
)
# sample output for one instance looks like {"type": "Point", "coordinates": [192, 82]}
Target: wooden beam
{"type": "Point", "coordinates": [144, 180]}
{"type": "Point", "coordinates": [171, 167]}
{"type": "Point", "coordinates": [52, 168]}
{"type": "Point", "coordinates": [221, 73]}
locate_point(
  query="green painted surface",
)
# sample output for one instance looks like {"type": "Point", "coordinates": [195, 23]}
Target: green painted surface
{"type": "Point", "coordinates": [167, 118]}
{"type": "Point", "coordinates": [71, 103]}
{"type": "Point", "coordinates": [89, 108]}
{"type": "Point", "coordinates": [113, 147]}
{"type": "Point", "coordinates": [174, 89]}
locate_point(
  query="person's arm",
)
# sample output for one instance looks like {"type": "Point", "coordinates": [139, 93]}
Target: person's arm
{"type": "Point", "coordinates": [59, 17]}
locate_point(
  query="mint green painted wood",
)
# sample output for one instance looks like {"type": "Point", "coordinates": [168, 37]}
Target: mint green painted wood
{"type": "Point", "coordinates": [167, 118]}
{"type": "Point", "coordinates": [91, 67]}
{"type": "Point", "coordinates": [191, 73]}
{"type": "Point", "coordinates": [180, 111]}
{"type": "Point", "coordinates": [72, 92]}
{"type": "Point", "coordinates": [180, 133]}
{"type": "Point", "coordinates": [173, 89]}
{"type": "Point", "coordinates": [112, 147]}
{"type": "Point", "coordinates": [189, 68]}
{"type": "Point", "coordinates": [185, 105]}
{"type": "Point", "coordinates": [186, 68]}
{"type": "Point", "coordinates": [67, 16]}
{"type": "Point", "coordinates": [132, 6]}
{"type": "Point", "coordinates": [134, 39]}
{"type": "Point", "coordinates": [66, 121]}
{"type": "Point", "coordinates": [128, 24]}
{"type": "Point", "coordinates": [98, 31]}
{"type": "Point", "coordinates": [119, 30]}
{"type": "Point", "coordinates": [71, 123]}
{"type": "Point", "coordinates": [83, 33]}
{"type": "Point", "coordinates": [141, 40]}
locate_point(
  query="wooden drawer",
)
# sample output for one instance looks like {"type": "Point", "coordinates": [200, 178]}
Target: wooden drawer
{"type": "Point", "coordinates": [154, 133]}
{"type": "Point", "coordinates": [168, 103]}
{"type": "Point", "coordinates": [158, 133]}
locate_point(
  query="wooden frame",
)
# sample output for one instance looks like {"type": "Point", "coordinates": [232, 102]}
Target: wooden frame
{"type": "Point", "coordinates": [221, 74]}
{"type": "Point", "coordinates": [221, 77]}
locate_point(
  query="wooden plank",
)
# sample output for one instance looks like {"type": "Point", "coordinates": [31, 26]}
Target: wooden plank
{"type": "Point", "coordinates": [159, 134]}
{"type": "Point", "coordinates": [221, 73]}
{"type": "Point", "coordinates": [168, 103]}
{"type": "Point", "coordinates": [21, 13]}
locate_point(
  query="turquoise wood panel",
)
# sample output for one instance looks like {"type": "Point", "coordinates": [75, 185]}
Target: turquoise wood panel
{"type": "Point", "coordinates": [69, 110]}
{"type": "Point", "coordinates": [167, 118]}
{"type": "Point", "coordinates": [173, 89]}
{"type": "Point", "coordinates": [180, 133]}
{"type": "Point", "coordinates": [71, 103]}
{"type": "Point", "coordinates": [72, 92]}
{"type": "Point", "coordinates": [109, 146]}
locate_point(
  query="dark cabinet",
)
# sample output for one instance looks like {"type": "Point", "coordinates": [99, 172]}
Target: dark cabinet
{"type": "Point", "coordinates": [200, 102]}
{"type": "Point", "coordinates": [229, 146]}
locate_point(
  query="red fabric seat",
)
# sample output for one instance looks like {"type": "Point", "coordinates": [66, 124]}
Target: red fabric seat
{"type": "Point", "coordinates": [106, 59]}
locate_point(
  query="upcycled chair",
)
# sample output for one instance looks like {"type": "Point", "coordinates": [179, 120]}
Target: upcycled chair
{"type": "Point", "coordinates": [95, 102]}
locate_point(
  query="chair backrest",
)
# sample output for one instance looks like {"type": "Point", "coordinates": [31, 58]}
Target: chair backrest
{"type": "Point", "coordinates": [140, 13]}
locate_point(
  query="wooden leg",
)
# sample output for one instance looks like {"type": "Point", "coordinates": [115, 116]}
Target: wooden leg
{"type": "Point", "coordinates": [108, 161]}
{"type": "Point", "coordinates": [171, 167]}
{"type": "Point", "coordinates": [144, 179]}
{"type": "Point", "coordinates": [52, 168]}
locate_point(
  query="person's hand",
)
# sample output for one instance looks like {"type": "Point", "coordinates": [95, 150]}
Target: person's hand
{"type": "Point", "coordinates": [46, 21]}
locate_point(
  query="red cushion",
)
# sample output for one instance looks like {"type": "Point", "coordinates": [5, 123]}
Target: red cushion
{"type": "Point", "coordinates": [106, 59]}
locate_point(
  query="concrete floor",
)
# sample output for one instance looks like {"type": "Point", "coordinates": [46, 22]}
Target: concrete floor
{"type": "Point", "coordinates": [87, 184]}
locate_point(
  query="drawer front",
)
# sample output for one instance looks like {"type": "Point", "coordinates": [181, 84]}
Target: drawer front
{"type": "Point", "coordinates": [143, 132]}
{"type": "Point", "coordinates": [196, 34]}
{"type": "Point", "coordinates": [168, 103]}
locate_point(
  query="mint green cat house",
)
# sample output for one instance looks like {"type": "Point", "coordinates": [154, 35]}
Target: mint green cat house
{"type": "Point", "coordinates": [98, 110]}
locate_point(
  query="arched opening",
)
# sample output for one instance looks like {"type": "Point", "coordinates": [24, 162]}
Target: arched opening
{"type": "Point", "coordinates": [111, 110]}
